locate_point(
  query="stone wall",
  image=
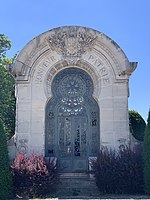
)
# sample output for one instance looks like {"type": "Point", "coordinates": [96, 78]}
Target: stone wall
{"type": "Point", "coordinates": [71, 46]}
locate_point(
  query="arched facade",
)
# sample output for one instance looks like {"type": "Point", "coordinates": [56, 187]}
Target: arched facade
{"type": "Point", "coordinates": [45, 58]}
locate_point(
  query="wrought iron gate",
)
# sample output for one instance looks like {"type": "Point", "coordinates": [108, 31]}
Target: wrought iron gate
{"type": "Point", "coordinates": [72, 120]}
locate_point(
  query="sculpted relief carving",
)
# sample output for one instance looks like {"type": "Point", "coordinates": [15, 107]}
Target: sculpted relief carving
{"type": "Point", "coordinates": [22, 146]}
{"type": "Point", "coordinates": [70, 46]}
{"type": "Point", "coordinates": [72, 42]}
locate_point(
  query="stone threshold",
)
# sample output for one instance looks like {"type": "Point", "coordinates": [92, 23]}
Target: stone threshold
{"type": "Point", "coordinates": [88, 198]}
{"type": "Point", "coordinates": [107, 197]}
{"type": "Point", "coordinates": [74, 175]}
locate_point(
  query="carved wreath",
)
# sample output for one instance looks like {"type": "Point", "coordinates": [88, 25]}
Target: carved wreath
{"type": "Point", "coordinates": [72, 42]}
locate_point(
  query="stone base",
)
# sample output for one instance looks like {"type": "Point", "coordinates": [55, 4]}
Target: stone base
{"type": "Point", "coordinates": [77, 185]}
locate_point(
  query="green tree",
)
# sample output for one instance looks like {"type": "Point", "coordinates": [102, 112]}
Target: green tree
{"type": "Point", "coordinates": [7, 90]}
{"type": "Point", "coordinates": [5, 45]}
{"type": "Point", "coordinates": [147, 156]}
{"type": "Point", "coordinates": [137, 125]}
{"type": "Point", "coordinates": [6, 186]}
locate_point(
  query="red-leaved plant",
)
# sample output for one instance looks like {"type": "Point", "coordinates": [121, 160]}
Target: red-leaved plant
{"type": "Point", "coordinates": [119, 171]}
{"type": "Point", "coordinates": [34, 175]}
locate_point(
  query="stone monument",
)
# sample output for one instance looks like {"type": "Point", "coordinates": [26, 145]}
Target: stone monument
{"type": "Point", "coordinates": [71, 96]}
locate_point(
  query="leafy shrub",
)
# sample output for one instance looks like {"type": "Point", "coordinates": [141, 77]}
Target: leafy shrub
{"type": "Point", "coordinates": [104, 169]}
{"type": "Point", "coordinates": [137, 125]}
{"type": "Point", "coordinates": [147, 156]}
{"type": "Point", "coordinates": [34, 176]}
{"type": "Point", "coordinates": [130, 170]}
{"type": "Point", "coordinates": [119, 172]}
{"type": "Point", "coordinates": [6, 186]}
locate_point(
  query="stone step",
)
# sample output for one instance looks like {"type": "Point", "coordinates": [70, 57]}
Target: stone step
{"type": "Point", "coordinates": [74, 175]}
{"type": "Point", "coordinates": [77, 184]}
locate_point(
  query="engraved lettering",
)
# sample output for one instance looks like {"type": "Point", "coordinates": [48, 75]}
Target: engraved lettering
{"type": "Point", "coordinates": [91, 57]}
{"type": "Point", "coordinates": [103, 71]}
{"type": "Point", "coordinates": [43, 68]}
{"type": "Point", "coordinates": [98, 63]}
{"type": "Point", "coordinates": [95, 61]}
{"type": "Point", "coordinates": [39, 76]}
{"type": "Point", "coordinates": [46, 63]}
{"type": "Point", "coordinates": [40, 73]}
{"type": "Point", "coordinates": [52, 58]}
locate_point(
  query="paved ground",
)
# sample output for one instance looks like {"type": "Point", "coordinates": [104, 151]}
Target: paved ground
{"type": "Point", "coordinates": [90, 199]}
{"type": "Point", "coordinates": [114, 197]}
{"type": "Point", "coordinates": [132, 198]}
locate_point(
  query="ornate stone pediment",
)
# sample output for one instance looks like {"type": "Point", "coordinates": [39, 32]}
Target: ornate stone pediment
{"type": "Point", "coordinates": [72, 42]}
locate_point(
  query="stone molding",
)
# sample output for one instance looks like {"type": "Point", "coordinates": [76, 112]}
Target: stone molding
{"type": "Point", "coordinates": [70, 44]}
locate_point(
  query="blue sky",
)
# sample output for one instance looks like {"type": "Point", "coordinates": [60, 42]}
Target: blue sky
{"type": "Point", "coordinates": [127, 22]}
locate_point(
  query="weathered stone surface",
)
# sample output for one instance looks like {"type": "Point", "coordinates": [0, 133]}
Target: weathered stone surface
{"type": "Point", "coordinates": [77, 184]}
{"type": "Point", "coordinates": [65, 47]}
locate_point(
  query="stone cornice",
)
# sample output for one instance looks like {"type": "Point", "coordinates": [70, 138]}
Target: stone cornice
{"type": "Point", "coordinates": [70, 44]}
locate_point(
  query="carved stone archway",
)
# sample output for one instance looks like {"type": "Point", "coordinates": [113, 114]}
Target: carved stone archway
{"type": "Point", "coordinates": [66, 47]}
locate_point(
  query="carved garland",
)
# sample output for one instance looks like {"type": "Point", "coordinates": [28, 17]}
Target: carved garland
{"type": "Point", "coordinates": [72, 42]}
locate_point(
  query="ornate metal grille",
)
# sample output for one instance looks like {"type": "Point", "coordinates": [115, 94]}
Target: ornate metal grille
{"type": "Point", "coordinates": [72, 120]}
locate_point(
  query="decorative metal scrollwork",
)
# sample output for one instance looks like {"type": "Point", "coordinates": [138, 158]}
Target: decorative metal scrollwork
{"type": "Point", "coordinates": [72, 123]}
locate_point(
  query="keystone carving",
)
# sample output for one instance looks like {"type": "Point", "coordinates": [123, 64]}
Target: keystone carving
{"type": "Point", "coordinates": [72, 42]}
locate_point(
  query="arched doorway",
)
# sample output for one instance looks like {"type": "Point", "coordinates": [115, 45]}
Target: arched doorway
{"type": "Point", "coordinates": [72, 121]}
